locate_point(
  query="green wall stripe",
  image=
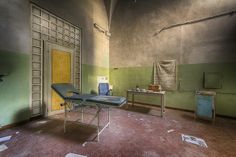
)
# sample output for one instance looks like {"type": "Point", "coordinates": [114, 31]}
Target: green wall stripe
{"type": "Point", "coordinates": [89, 77]}
{"type": "Point", "coordinates": [14, 90]}
{"type": "Point", "coordinates": [190, 79]}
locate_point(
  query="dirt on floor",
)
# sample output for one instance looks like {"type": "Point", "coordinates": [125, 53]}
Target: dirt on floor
{"type": "Point", "coordinates": [134, 131]}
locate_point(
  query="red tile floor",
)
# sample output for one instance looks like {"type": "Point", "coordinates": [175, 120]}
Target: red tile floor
{"type": "Point", "coordinates": [133, 132]}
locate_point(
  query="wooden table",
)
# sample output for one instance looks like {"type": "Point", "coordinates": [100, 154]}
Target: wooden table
{"type": "Point", "coordinates": [161, 94]}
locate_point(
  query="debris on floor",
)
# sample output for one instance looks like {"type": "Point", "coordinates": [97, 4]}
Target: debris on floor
{"type": "Point", "coordinates": [175, 121]}
{"type": "Point", "coordinates": [171, 130]}
{"type": "Point", "coordinates": [56, 116]}
{"type": "Point", "coordinates": [150, 154]}
{"type": "Point", "coordinates": [74, 155]}
{"type": "Point", "coordinates": [17, 132]}
{"type": "Point", "coordinates": [3, 147]}
{"type": "Point", "coordinates": [39, 132]}
{"type": "Point", "coordinates": [42, 122]}
{"type": "Point", "coordinates": [162, 139]}
{"type": "Point", "coordinates": [84, 144]}
{"type": "Point", "coordinates": [38, 123]}
{"type": "Point", "coordinates": [130, 115]}
{"type": "Point", "coordinates": [194, 140]}
{"type": "Point", "coordinates": [6, 138]}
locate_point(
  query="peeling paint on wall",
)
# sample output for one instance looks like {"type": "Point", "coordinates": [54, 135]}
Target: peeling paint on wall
{"type": "Point", "coordinates": [133, 27]}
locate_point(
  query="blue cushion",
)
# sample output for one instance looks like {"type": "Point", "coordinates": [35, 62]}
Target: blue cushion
{"type": "Point", "coordinates": [108, 100]}
{"type": "Point", "coordinates": [63, 88]}
{"type": "Point", "coordinates": [103, 89]}
{"type": "Point", "coordinates": [68, 91]}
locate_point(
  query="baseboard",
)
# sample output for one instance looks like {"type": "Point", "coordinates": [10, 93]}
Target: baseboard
{"type": "Point", "coordinates": [14, 124]}
{"type": "Point", "coordinates": [180, 109]}
{"type": "Point", "coordinates": [20, 123]}
{"type": "Point", "coordinates": [225, 116]}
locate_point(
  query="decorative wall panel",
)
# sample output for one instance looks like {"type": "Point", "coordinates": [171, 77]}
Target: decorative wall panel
{"type": "Point", "coordinates": [48, 27]}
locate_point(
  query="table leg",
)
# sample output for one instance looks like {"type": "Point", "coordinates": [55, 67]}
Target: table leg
{"type": "Point", "coordinates": [108, 110]}
{"type": "Point", "coordinates": [162, 105]}
{"type": "Point", "coordinates": [98, 124]}
{"type": "Point", "coordinates": [82, 114]}
{"type": "Point", "coordinates": [127, 97]}
{"type": "Point", "coordinates": [132, 99]}
{"type": "Point", "coordinates": [65, 118]}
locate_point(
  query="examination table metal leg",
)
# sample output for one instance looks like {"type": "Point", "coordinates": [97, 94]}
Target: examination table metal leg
{"type": "Point", "coordinates": [65, 119]}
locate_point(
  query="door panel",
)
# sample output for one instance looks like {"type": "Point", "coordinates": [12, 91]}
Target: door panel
{"type": "Point", "coordinates": [60, 73]}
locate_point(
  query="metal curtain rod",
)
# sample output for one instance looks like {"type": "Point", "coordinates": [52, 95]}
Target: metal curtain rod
{"type": "Point", "coordinates": [194, 21]}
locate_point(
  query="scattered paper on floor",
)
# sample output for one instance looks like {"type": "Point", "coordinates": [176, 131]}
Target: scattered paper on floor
{"type": "Point", "coordinates": [171, 130]}
{"type": "Point", "coordinates": [84, 144]}
{"type": "Point", "coordinates": [3, 147]}
{"type": "Point", "coordinates": [175, 121]}
{"type": "Point", "coordinates": [6, 138]}
{"type": "Point", "coordinates": [74, 155]}
{"type": "Point", "coordinates": [194, 140]}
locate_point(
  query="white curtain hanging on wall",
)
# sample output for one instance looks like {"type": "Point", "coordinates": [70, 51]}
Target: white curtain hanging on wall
{"type": "Point", "coordinates": [165, 74]}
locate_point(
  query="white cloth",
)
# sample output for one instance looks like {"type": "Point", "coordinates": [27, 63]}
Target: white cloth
{"type": "Point", "coordinates": [166, 74]}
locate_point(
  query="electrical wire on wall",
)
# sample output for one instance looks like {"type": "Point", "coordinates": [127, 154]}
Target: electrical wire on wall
{"type": "Point", "coordinates": [231, 13]}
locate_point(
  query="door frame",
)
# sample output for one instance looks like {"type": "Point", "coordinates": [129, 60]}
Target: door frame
{"type": "Point", "coordinates": [48, 47]}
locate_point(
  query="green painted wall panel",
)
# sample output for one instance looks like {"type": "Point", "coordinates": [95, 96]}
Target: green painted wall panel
{"type": "Point", "coordinates": [14, 90]}
{"type": "Point", "coordinates": [89, 77]}
{"type": "Point", "coordinates": [191, 76]}
{"type": "Point", "coordinates": [190, 79]}
{"type": "Point", "coordinates": [181, 100]}
{"type": "Point", "coordinates": [226, 104]}
{"type": "Point", "coordinates": [127, 78]}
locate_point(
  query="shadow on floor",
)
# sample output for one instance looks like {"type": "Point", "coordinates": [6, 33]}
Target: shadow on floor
{"type": "Point", "coordinates": [135, 108]}
{"type": "Point", "coordinates": [189, 117]}
{"type": "Point", "coordinates": [53, 126]}
{"type": "Point", "coordinates": [139, 108]}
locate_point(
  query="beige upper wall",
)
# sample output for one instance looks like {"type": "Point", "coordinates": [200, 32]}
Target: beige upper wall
{"type": "Point", "coordinates": [133, 41]}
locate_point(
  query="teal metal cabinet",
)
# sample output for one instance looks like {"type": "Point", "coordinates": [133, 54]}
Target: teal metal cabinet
{"type": "Point", "coordinates": [205, 105]}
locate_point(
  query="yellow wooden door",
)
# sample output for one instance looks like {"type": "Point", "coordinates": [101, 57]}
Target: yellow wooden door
{"type": "Point", "coordinates": [61, 73]}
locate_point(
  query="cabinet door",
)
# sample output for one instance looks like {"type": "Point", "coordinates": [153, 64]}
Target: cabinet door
{"type": "Point", "coordinates": [204, 107]}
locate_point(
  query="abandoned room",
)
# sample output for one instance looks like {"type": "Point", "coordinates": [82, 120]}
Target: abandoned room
{"type": "Point", "coordinates": [122, 78]}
